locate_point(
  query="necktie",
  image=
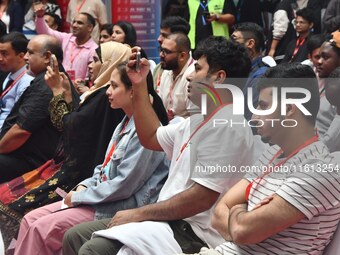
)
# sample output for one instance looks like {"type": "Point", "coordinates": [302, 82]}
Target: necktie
{"type": "Point", "coordinates": [9, 82]}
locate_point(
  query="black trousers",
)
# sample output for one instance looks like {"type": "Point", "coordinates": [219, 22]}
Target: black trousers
{"type": "Point", "coordinates": [77, 239]}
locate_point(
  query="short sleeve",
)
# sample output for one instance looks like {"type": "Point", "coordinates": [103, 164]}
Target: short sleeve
{"type": "Point", "coordinates": [166, 138]}
{"type": "Point", "coordinates": [33, 111]}
{"type": "Point", "coordinates": [311, 193]}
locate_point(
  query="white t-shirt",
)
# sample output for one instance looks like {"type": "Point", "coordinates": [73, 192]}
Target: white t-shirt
{"type": "Point", "coordinates": [316, 194]}
{"type": "Point", "coordinates": [210, 148]}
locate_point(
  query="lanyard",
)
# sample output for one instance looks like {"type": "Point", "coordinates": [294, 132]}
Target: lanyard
{"type": "Point", "coordinates": [204, 7]}
{"type": "Point", "coordinates": [72, 57]}
{"type": "Point", "coordinates": [198, 128]}
{"type": "Point", "coordinates": [305, 144]}
{"type": "Point", "coordinates": [113, 147]}
{"type": "Point", "coordinates": [81, 5]}
{"type": "Point", "coordinates": [299, 43]}
{"type": "Point", "coordinates": [12, 84]}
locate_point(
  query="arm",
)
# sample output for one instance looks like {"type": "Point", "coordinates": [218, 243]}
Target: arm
{"type": "Point", "coordinates": [146, 120]}
{"type": "Point", "coordinates": [331, 19]}
{"type": "Point", "coordinates": [185, 204]}
{"type": "Point", "coordinates": [43, 28]}
{"type": "Point", "coordinates": [226, 18]}
{"type": "Point", "coordinates": [280, 26]}
{"type": "Point", "coordinates": [220, 218]}
{"type": "Point", "coordinates": [13, 139]}
{"type": "Point", "coordinates": [252, 227]}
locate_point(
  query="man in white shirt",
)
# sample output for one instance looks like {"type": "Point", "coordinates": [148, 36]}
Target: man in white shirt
{"type": "Point", "coordinates": [177, 64]}
{"type": "Point", "coordinates": [290, 203]}
{"type": "Point", "coordinates": [181, 217]}
{"type": "Point", "coordinates": [12, 51]}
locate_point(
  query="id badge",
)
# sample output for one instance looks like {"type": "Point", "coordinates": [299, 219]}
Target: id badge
{"type": "Point", "coordinates": [72, 74]}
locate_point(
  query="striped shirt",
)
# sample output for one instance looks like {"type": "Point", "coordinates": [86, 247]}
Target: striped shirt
{"type": "Point", "coordinates": [310, 181]}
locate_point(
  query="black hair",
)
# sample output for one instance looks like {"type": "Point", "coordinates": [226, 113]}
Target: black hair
{"type": "Point", "coordinates": [57, 19]}
{"type": "Point", "coordinates": [307, 14]}
{"type": "Point", "coordinates": [107, 27]}
{"type": "Point", "coordinates": [90, 19]}
{"type": "Point", "coordinates": [222, 54]}
{"type": "Point", "coordinates": [176, 24]}
{"type": "Point", "coordinates": [294, 75]}
{"type": "Point", "coordinates": [251, 30]}
{"type": "Point", "coordinates": [130, 32]}
{"type": "Point", "coordinates": [182, 41]}
{"type": "Point", "coordinates": [17, 40]}
{"type": "Point", "coordinates": [157, 101]}
{"type": "Point", "coordinates": [314, 42]}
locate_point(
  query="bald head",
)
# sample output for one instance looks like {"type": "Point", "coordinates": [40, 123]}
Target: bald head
{"type": "Point", "coordinates": [39, 52]}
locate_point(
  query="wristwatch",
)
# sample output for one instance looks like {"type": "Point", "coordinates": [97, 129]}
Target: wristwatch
{"type": "Point", "coordinates": [217, 17]}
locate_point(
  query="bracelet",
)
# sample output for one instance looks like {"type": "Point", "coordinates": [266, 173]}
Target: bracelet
{"type": "Point", "coordinates": [217, 17]}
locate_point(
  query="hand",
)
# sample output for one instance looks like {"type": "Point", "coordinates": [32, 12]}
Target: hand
{"type": "Point", "coordinates": [68, 198]}
{"type": "Point", "coordinates": [213, 17]}
{"type": "Point", "coordinates": [53, 78]}
{"type": "Point", "coordinates": [39, 9]}
{"type": "Point", "coordinates": [271, 53]}
{"type": "Point", "coordinates": [263, 202]}
{"type": "Point", "coordinates": [134, 76]}
{"type": "Point", "coordinates": [123, 217]}
{"type": "Point", "coordinates": [81, 89]}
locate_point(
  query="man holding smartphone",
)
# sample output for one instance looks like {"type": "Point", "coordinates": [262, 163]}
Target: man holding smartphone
{"type": "Point", "coordinates": [209, 17]}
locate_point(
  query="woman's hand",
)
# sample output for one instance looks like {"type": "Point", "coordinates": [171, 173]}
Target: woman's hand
{"type": "Point", "coordinates": [58, 81]}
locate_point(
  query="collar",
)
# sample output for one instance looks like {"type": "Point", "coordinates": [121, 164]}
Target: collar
{"type": "Point", "coordinates": [130, 124]}
{"type": "Point", "coordinates": [15, 75]}
{"type": "Point", "coordinates": [86, 45]}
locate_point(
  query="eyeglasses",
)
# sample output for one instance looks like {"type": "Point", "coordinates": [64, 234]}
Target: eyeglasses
{"type": "Point", "coordinates": [166, 51]}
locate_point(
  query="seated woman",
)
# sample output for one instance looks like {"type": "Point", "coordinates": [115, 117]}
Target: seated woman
{"type": "Point", "coordinates": [87, 130]}
{"type": "Point", "coordinates": [130, 176]}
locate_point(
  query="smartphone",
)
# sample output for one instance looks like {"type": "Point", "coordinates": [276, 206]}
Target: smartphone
{"type": "Point", "coordinates": [52, 61]}
{"type": "Point", "coordinates": [206, 14]}
{"type": "Point", "coordinates": [138, 61]}
{"type": "Point", "coordinates": [61, 192]}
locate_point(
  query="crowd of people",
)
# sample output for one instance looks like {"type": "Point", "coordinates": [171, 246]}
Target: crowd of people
{"type": "Point", "coordinates": [228, 146]}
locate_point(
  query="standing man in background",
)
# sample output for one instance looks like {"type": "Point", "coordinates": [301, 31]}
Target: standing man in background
{"type": "Point", "coordinates": [94, 7]}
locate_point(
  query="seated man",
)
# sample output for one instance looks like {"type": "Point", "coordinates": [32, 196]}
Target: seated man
{"type": "Point", "coordinates": [12, 51]}
{"type": "Point", "coordinates": [28, 138]}
{"type": "Point", "coordinates": [181, 217]}
{"type": "Point", "coordinates": [290, 203]}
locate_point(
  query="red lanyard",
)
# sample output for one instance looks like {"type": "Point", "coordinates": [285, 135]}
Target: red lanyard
{"type": "Point", "coordinates": [12, 84]}
{"type": "Point", "coordinates": [299, 43]}
{"type": "Point", "coordinates": [72, 57]}
{"type": "Point", "coordinates": [305, 144]}
{"type": "Point", "coordinates": [198, 128]}
{"type": "Point", "coordinates": [113, 147]}
{"type": "Point", "coordinates": [81, 5]}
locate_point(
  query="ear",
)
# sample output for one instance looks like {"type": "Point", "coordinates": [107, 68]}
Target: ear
{"type": "Point", "coordinates": [291, 110]}
{"type": "Point", "coordinates": [47, 57]}
{"type": "Point", "coordinates": [22, 55]}
{"type": "Point", "coordinates": [220, 76]}
{"type": "Point", "coordinates": [250, 44]}
{"type": "Point", "coordinates": [311, 25]}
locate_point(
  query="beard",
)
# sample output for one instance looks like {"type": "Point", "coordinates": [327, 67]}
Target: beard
{"type": "Point", "coordinates": [170, 64]}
